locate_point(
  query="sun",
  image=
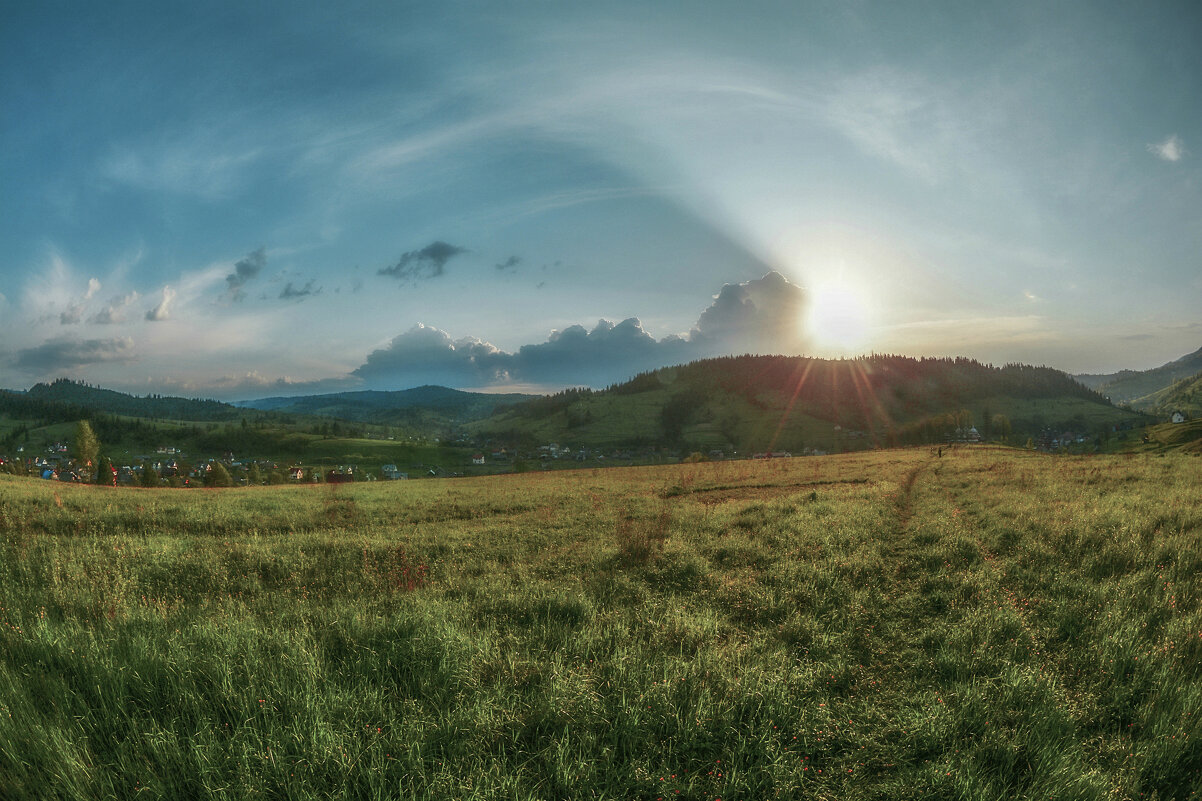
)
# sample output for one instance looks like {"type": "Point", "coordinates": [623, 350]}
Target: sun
{"type": "Point", "coordinates": [838, 317]}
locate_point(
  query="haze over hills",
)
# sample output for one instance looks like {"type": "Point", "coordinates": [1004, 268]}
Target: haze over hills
{"type": "Point", "coordinates": [388, 407]}
{"type": "Point", "coordinates": [1140, 388]}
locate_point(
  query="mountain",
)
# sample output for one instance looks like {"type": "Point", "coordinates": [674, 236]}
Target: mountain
{"type": "Point", "coordinates": [1181, 396]}
{"type": "Point", "coordinates": [407, 406]}
{"type": "Point", "coordinates": [74, 393]}
{"type": "Point", "coordinates": [768, 403]}
{"type": "Point", "coordinates": [1133, 386]}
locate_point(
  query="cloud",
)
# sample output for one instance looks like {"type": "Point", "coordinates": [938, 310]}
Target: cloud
{"type": "Point", "coordinates": [115, 311]}
{"type": "Point", "coordinates": [74, 313]}
{"type": "Point", "coordinates": [162, 311]}
{"type": "Point", "coordinates": [244, 270]}
{"type": "Point", "coordinates": [1171, 149]}
{"type": "Point", "coordinates": [509, 264]}
{"type": "Point", "coordinates": [761, 316]}
{"type": "Point", "coordinates": [425, 263]}
{"type": "Point", "coordinates": [60, 354]}
{"type": "Point", "coordinates": [291, 293]}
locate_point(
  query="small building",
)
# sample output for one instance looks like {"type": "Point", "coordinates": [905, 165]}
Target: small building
{"type": "Point", "coordinates": [478, 458]}
{"type": "Point", "coordinates": [1177, 417]}
{"type": "Point", "coordinates": [296, 473]}
{"type": "Point", "coordinates": [391, 473]}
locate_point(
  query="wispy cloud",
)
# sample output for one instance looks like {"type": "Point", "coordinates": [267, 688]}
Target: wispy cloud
{"type": "Point", "coordinates": [1171, 149]}
{"type": "Point", "coordinates": [191, 167]}
{"type": "Point", "coordinates": [74, 313]}
{"type": "Point", "coordinates": [114, 312]}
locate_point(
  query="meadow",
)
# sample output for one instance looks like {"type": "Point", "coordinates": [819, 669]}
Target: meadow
{"type": "Point", "coordinates": [985, 624]}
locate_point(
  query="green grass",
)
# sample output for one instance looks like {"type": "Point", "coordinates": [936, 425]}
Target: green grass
{"type": "Point", "coordinates": [991, 624]}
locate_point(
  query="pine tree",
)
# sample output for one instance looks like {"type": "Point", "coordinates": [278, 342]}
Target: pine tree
{"type": "Point", "coordinates": [218, 476]}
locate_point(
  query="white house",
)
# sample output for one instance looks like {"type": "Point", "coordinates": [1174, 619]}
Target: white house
{"type": "Point", "coordinates": [1177, 417]}
{"type": "Point", "coordinates": [478, 459]}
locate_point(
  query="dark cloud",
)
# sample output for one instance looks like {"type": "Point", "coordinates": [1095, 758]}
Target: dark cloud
{"type": "Point", "coordinates": [762, 316]}
{"type": "Point", "coordinates": [291, 293]}
{"type": "Point", "coordinates": [423, 264]}
{"type": "Point", "coordinates": [509, 264]}
{"type": "Point", "coordinates": [61, 354]}
{"type": "Point", "coordinates": [244, 270]}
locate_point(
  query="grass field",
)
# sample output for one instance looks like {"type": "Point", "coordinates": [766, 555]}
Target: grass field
{"type": "Point", "coordinates": [989, 624]}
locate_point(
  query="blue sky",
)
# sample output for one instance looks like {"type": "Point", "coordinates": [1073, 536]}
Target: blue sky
{"type": "Point", "coordinates": [234, 200]}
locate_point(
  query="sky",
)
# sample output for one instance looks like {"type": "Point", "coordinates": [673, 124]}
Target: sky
{"type": "Point", "coordinates": [236, 200]}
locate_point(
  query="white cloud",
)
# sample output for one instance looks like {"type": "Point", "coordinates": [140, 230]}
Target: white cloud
{"type": "Point", "coordinates": [1171, 149]}
{"type": "Point", "coordinates": [163, 310]}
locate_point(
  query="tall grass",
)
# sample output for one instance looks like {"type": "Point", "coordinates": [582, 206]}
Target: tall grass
{"type": "Point", "coordinates": [989, 624]}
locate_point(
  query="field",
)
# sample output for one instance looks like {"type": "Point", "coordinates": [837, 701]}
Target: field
{"type": "Point", "coordinates": [985, 624]}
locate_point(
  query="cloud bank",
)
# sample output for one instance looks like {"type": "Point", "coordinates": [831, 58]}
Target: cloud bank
{"type": "Point", "coordinates": [63, 354]}
{"type": "Point", "coordinates": [760, 316]}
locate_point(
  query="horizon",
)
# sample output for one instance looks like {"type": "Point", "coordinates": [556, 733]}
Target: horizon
{"type": "Point", "coordinates": [239, 203]}
{"type": "Point", "coordinates": [544, 391]}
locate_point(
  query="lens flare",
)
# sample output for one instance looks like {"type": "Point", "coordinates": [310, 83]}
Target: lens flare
{"type": "Point", "coordinates": [838, 318]}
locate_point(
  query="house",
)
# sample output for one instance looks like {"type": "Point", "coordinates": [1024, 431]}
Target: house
{"type": "Point", "coordinates": [478, 458]}
{"type": "Point", "coordinates": [390, 472]}
{"type": "Point", "coordinates": [1177, 417]}
{"type": "Point", "coordinates": [296, 473]}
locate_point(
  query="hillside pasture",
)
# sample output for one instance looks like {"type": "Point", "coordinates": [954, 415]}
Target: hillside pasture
{"type": "Point", "coordinates": [985, 624]}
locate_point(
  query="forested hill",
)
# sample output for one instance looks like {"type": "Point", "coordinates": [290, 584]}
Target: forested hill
{"type": "Point", "coordinates": [65, 392]}
{"type": "Point", "coordinates": [770, 402]}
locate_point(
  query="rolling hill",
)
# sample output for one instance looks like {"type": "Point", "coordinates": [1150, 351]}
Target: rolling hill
{"type": "Point", "coordinates": [771, 403]}
{"type": "Point", "coordinates": [1140, 387]}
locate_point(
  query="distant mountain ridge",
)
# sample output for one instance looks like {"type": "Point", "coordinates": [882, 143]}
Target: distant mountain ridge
{"type": "Point", "coordinates": [1138, 387]}
{"type": "Point", "coordinates": [391, 406]}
